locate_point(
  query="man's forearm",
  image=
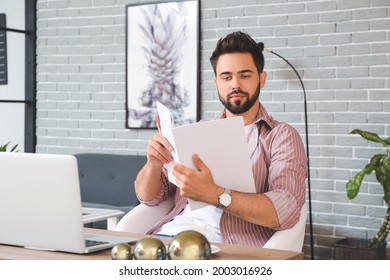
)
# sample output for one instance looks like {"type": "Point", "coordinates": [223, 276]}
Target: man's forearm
{"type": "Point", "coordinates": [254, 208]}
{"type": "Point", "coordinates": [148, 182]}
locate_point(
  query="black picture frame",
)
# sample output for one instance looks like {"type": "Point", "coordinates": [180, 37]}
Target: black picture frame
{"type": "Point", "coordinates": [162, 61]}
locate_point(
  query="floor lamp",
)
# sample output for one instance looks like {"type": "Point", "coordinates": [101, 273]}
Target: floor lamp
{"type": "Point", "coordinates": [307, 150]}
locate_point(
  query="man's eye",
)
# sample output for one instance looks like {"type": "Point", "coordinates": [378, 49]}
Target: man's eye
{"type": "Point", "coordinates": [245, 76]}
{"type": "Point", "coordinates": [226, 78]}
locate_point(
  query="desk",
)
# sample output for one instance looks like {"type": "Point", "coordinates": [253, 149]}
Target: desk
{"type": "Point", "coordinates": [228, 252]}
{"type": "Point", "coordinates": [98, 214]}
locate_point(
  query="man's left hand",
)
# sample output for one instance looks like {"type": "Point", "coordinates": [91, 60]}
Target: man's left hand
{"type": "Point", "coordinates": [197, 184]}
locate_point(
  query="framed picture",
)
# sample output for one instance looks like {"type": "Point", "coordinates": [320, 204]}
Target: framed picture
{"type": "Point", "coordinates": [162, 61]}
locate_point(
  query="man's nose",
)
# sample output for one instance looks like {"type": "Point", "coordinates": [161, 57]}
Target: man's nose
{"type": "Point", "coordinates": [235, 85]}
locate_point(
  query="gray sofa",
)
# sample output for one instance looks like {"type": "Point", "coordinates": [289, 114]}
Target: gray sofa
{"type": "Point", "coordinates": [107, 181]}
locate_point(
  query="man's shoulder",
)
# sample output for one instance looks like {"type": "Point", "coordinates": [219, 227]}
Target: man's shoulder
{"type": "Point", "coordinates": [285, 133]}
{"type": "Point", "coordinates": [285, 127]}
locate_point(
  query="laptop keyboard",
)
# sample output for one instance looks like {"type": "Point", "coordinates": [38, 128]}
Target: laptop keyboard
{"type": "Point", "coordinates": [90, 243]}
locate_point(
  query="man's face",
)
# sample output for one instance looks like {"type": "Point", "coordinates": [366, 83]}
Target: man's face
{"type": "Point", "coordinates": [238, 82]}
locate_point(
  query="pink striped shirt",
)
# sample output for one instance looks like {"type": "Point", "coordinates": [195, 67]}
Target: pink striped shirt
{"type": "Point", "coordinates": [279, 166]}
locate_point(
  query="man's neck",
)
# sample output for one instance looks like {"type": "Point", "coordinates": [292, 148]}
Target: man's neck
{"type": "Point", "coordinates": [249, 116]}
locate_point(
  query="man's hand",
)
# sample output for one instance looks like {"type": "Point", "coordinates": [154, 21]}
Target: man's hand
{"type": "Point", "coordinates": [159, 149]}
{"type": "Point", "coordinates": [197, 184]}
{"type": "Point", "coordinates": [148, 182]}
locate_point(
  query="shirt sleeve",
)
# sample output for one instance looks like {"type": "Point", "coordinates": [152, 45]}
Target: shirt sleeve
{"type": "Point", "coordinates": [287, 175]}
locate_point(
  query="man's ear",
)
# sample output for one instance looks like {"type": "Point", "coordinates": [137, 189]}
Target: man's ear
{"type": "Point", "coordinates": [263, 78]}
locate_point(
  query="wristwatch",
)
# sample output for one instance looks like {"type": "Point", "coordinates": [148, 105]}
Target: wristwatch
{"type": "Point", "coordinates": [225, 199]}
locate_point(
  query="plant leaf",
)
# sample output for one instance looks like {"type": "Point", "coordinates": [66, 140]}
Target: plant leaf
{"type": "Point", "coordinates": [386, 179]}
{"type": "Point", "coordinates": [354, 183]}
{"type": "Point", "coordinates": [3, 148]}
{"type": "Point", "coordinates": [381, 175]}
{"type": "Point", "coordinates": [375, 162]}
{"type": "Point", "coordinates": [370, 136]}
{"type": "Point", "coordinates": [14, 148]}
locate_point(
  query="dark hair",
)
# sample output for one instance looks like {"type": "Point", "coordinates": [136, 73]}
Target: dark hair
{"type": "Point", "coordinates": [238, 42]}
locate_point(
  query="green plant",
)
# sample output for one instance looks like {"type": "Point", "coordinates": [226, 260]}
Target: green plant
{"type": "Point", "coordinates": [3, 148]}
{"type": "Point", "coordinates": [380, 164]}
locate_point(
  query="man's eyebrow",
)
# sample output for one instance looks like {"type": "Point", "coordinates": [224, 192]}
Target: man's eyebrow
{"type": "Point", "coordinates": [225, 73]}
{"type": "Point", "coordinates": [239, 72]}
{"type": "Point", "coordinates": [245, 71]}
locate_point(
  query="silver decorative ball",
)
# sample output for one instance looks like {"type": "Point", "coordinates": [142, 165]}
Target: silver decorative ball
{"type": "Point", "coordinates": [149, 248]}
{"type": "Point", "coordinates": [189, 245]}
{"type": "Point", "coordinates": [122, 251]}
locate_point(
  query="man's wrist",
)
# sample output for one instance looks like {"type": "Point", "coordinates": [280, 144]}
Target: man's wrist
{"type": "Point", "coordinates": [225, 199]}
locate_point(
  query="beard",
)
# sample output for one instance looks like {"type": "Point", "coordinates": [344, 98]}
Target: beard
{"type": "Point", "coordinates": [240, 106]}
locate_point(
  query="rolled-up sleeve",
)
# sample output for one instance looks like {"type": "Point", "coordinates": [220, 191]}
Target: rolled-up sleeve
{"type": "Point", "coordinates": [287, 175]}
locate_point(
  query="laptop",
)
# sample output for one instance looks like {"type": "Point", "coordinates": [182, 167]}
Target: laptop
{"type": "Point", "coordinates": [40, 205]}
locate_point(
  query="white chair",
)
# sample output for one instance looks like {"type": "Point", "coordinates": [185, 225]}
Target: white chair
{"type": "Point", "coordinates": [142, 218]}
{"type": "Point", "coordinates": [290, 239]}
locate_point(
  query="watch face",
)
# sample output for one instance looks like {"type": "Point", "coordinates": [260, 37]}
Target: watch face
{"type": "Point", "coordinates": [225, 199]}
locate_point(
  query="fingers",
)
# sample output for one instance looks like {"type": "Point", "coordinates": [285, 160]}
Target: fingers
{"type": "Point", "coordinates": [187, 175]}
{"type": "Point", "coordinates": [181, 171]}
{"type": "Point", "coordinates": [199, 163]}
{"type": "Point", "coordinates": [163, 140]}
{"type": "Point", "coordinates": [194, 184]}
{"type": "Point", "coordinates": [159, 148]}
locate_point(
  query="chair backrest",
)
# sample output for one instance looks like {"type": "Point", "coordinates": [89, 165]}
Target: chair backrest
{"type": "Point", "coordinates": [142, 217]}
{"type": "Point", "coordinates": [109, 178]}
{"type": "Point", "coordinates": [290, 239]}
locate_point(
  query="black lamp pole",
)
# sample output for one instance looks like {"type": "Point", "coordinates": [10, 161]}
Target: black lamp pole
{"type": "Point", "coordinates": [307, 149]}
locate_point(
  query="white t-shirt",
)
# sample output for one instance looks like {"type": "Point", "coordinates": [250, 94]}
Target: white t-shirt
{"type": "Point", "coordinates": [208, 215]}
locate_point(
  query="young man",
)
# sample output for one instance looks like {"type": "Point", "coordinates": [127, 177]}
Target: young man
{"type": "Point", "coordinates": [277, 156]}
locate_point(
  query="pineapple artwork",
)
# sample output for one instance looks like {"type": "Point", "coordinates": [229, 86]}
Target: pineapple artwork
{"type": "Point", "coordinates": [164, 33]}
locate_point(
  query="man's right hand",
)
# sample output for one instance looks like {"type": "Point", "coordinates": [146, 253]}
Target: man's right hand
{"type": "Point", "coordinates": [148, 181]}
{"type": "Point", "coordinates": [159, 149]}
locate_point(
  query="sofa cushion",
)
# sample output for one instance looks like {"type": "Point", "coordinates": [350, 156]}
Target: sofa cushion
{"type": "Point", "coordinates": [108, 179]}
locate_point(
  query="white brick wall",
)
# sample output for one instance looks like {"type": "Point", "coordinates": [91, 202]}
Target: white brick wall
{"type": "Point", "coordinates": [341, 49]}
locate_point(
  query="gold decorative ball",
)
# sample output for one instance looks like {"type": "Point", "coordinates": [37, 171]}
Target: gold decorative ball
{"type": "Point", "coordinates": [122, 251]}
{"type": "Point", "coordinates": [149, 248]}
{"type": "Point", "coordinates": [189, 245]}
